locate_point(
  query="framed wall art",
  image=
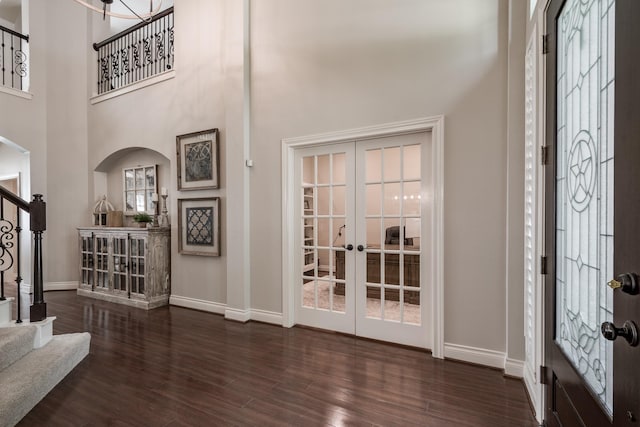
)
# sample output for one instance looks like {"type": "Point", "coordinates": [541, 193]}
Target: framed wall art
{"type": "Point", "coordinates": [198, 160]}
{"type": "Point", "coordinates": [199, 226]}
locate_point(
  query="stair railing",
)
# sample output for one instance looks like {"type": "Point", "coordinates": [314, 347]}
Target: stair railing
{"type": "Point", "coordinates": [137, 53]}
{"type": "Point", "coordinates": [13, 59]}
{"type": "Point", "coordinates": [10, 238]}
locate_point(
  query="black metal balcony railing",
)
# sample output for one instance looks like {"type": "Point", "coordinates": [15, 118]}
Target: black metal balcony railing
{"type": "Point", "coordinates": [13, 58]}
{"type": "Point", "coordinates": [140, 52]}
{"type": "Point", "coordinates": [10, 250]}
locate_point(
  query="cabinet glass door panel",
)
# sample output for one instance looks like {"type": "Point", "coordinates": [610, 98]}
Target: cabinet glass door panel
{"type": "Point", "coordinates": [87, 255]}
{"type": "Point", "coordinates": [137, 267]}
{"type": "Point", "coordinates": [120, 264]}
{"type": "Point", "coordinates": [102, 262]}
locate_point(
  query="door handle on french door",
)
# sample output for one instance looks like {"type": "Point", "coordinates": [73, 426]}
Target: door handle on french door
{"type": "Point", "coordinates": [626, 282]}
{"type": "Point", "coordinates": [349, 247]}
{"type": "Point", "coordinates": [629, 332]}
{"type": "Point", "coordinates": [360, 248]}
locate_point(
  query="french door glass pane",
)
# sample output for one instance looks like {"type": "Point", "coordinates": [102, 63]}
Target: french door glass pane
{"type": "Point", "coordinates": [322, 222]}
{"type": "Point", "coordinates": [393, 209]}
{"type": "Point", "coordinates": [584, 187]}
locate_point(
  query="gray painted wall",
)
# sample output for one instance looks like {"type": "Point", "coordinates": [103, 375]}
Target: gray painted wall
{"type": "Point", "coordinates": [315, 67]}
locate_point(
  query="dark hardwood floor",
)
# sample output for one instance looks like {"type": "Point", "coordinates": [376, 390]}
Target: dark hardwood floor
{"type": "Point", "coordinates": [177, 367]}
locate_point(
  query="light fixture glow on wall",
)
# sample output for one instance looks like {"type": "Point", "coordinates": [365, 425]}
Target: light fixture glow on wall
{"type": "Point", "coordinates": [133, 15]}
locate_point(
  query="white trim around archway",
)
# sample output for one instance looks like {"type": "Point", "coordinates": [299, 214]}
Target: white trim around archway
{"type": "Point", "coordinates": [435, 125]}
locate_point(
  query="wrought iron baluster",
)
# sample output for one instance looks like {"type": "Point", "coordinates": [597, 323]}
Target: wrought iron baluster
{"type": "Point", "coordinates": [163, 30]}
{"type": "Point", "coordinates": [21, 63]}
{"type": "Point", "coordinates": [11, 56]}
{"type": "Point", "coordinates": [2, 60]}
{"type": "Point", "coordinates": [19, 270]}
{"type": "Point", "coordinates": [120, 63]}
{"type": "Point", "coordinates": [2, 249]}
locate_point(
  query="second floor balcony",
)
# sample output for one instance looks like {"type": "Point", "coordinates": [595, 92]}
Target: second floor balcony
{"type": "Point", "coordinates": [14, 55]}
{"type": "Point", "coordinates": [138, 53]}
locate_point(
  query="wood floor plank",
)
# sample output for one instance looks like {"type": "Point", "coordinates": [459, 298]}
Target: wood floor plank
{"type": "Point", "coordinates": [177, 367]}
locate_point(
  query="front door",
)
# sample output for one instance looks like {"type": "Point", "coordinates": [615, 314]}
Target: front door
{"type": "Point", "coordinates": [364, 237]}
{"type": "Point", "coordinates": [592, 231]}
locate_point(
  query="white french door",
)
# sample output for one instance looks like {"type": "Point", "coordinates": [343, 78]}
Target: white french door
{"type": "Point", "coordinates": [325, 209]}
{"type": "Point", "coordinates": [364, 237]}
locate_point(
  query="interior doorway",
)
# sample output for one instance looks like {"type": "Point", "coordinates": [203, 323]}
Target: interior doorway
{"type": "Point", "coordinates": [365, 222]}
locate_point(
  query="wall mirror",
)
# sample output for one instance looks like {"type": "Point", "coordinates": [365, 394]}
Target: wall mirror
{"type": "Point", "coordinates": [140, 184]}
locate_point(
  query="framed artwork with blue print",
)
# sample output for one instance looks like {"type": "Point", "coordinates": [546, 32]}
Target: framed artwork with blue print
{"type": "Point", "coordinates": [198, 164]}
{"type": "Point", "coordinates": [199, 226]}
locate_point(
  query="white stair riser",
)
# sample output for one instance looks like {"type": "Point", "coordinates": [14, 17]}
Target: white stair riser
{"type": "Point", "coordinates": [5, 312]}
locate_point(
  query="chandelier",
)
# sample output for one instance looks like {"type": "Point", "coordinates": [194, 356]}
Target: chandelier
{"type": "Point", "coordinates": [133, 15]}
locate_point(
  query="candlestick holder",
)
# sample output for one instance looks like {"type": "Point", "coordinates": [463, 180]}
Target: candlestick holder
{"type": "Point", "coordinates": [163, 218]}
{"type": "Point", "coordinates": [154, 205]}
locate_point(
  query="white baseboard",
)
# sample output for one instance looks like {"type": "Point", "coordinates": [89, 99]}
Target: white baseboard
{"type": "Point", "coordinates": [197, 304]}
{"type": "Point", "coordinates": [60, 286]}
{"type": "Point", "coordinates": [514, 368]}
{"type": "Point", "coordinates": [266, 316]}
{"type": "Point", "coordinates": [480, 356]}
{"type": "Point", "coordinates": [229, 313]}
{"type": "Point", "coordinates": [534, 388]}
{"type": "Point", "coordinates": [237, 315]}
{"type": "Point", "coordinates": [485, 357]}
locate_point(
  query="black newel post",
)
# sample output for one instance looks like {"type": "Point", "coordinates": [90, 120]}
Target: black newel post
{"type": "Point", "coordinates": [38, 214]}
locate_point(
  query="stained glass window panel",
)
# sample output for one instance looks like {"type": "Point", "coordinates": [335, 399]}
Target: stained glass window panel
{"type": "Point", "coordinates": [584, 189]}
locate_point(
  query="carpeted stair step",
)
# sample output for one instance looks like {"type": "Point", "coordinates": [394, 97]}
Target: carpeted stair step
{"type": "Point", "coordinates": [15, 342]}
{"type": "Point", "coordinates": [28, 380]}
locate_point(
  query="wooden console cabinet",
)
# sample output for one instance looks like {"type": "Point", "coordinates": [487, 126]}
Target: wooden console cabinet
{"type": "Point", "coordinates": [392, 274]}
{"type": "Point", "coordinates": [126, 265]}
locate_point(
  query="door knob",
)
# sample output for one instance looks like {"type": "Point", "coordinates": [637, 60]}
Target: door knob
{"type": "Point", "coordinates": [629, 332]}
{"type": "Point", "coordinates": [360, 248]}
{"type": "Point", "coordinates": [349, 247]}
{"type": "Point", "coordinates": [626, 282]}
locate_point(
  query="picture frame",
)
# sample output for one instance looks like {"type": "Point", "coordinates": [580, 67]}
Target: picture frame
{"type": "Point", "coordinates": [199, 226]}
{"type": "Point", "coordinates": [198, 160]}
